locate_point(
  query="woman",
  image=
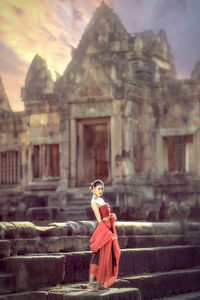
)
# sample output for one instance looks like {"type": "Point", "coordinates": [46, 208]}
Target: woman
{"type": "Point", "coordinates": [104, 243]}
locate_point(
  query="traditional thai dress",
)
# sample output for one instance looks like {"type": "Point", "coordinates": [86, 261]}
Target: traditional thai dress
{"type": "Point", "coordinates": [106, 252]}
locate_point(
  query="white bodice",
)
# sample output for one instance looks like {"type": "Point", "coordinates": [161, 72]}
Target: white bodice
{"type": "Point", "coordinates": [99, 201]}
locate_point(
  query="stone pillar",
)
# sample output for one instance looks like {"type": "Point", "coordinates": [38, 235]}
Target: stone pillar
{"type": "Point", "coordinates": [80, 152]}
{"type": "Point", "coordinates": [24, 166]}
{"type": "Point", "coordinates": [1, 169]}
{"type": "Point", "coordinates": [116, 140]}
{"type": "Point", "coordinates": [64, 148]}
{"type": "Point", "coordinates": [30, 163]}
{"type": "Point", "coordinates": [73, 152]}
{"type": "Point", "coordinates": [196, 150]}
{"type": "Point", "coordinates": [162, 156]}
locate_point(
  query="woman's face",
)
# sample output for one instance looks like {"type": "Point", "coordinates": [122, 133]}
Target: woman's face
{"type": "Point", "coordinates": [98, 190]}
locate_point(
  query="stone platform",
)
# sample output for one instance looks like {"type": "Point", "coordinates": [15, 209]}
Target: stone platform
{"type": "Point", "coordinates": [157, 260]}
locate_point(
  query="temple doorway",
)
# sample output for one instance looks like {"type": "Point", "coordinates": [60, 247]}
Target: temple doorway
{"type": "Point", "coordinates": [93, 150]}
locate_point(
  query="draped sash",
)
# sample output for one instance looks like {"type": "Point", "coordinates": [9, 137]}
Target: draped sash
{"type": "Point", "coordinates": [109, 251]}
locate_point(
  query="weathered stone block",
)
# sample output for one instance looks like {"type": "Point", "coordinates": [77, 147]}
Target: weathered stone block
{"type": "Point", "coordinates": [75, 228]}
{"type": "Point", "coordinates": [23, 246]}
{"type": "Point", "coordinates": [148, 228]}
{"type": "Point", "coordinates": [77, 266]}
{"type": "Point", "coordinates": [63, 244]}
{"type": "Point", "coordinates": [33, 272]}
{"type": "Point", "coordinates": [16, 230]}
{"type": "Point", "coordinates": [59, 229]}
{"type": "Point", "coordinates": [42, 213]}
{"type": "Point", "coordinates": [6, 283]}
{"type": "Point", "coordinates": [159, 285]}
{"type": "Point", "coordinates": [4, 248]}
{"type": "Point", "coordinates": [112, 294]}
{"type": "Point", "coordinates": [35, 295]}
{"type": "Point", "coordinates": [35, 201]}
{"type": "Point", "coordinates": [149, 260]}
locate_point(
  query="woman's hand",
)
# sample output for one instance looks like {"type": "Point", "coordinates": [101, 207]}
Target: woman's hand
{"type": "Point", "coordinates": [114, 237]}
{"type": "Point", "coordinates": [114, 216]}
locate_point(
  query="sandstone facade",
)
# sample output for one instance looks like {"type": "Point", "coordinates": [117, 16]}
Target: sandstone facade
{"type": "Point", "coordinates": [117, 113]}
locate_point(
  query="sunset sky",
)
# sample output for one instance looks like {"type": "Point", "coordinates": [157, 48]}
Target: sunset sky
{"type": "Point", "coordinates": [51, 27]}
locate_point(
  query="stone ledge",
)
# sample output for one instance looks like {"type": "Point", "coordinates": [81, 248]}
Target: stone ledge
{"type": "Point", "coordinates": [33, 295]}
{"type": "Point", "coordinates": [136, 261]}
{"type": "Point", "coordinates": [81, 243]}
{"type": "Point", "coordinates": [14, 230]}
{"type": "Point", "coordinates": [166, 284]}
{"type": "Point", "coordinates": [112, 294]}
{"type": "Point", "coordinates": [33, 272]}
{"type": "Point", "coordinates": [75, 292]}
{"type": "Point", "coordinates": [188, 296]}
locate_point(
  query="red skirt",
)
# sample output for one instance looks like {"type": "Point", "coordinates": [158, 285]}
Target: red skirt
{"type": "Point", "coordinates": [106, 253]}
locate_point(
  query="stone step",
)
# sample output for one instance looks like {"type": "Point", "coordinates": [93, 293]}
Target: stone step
{"type": "Point", "coordinates": [12, 230]}
{"type": "Point", "coordinates": [163, 259]}
{"type": "Point", "coordinates": [48, 243]}
{"type": "Point", "coordinates": [188, 296]}
{"type": "Point", "coordinates": [74, 266]}
{"type": "Point", "coordinates": [83, 293]}
{"type": "Point", "coordinates": [152, 267]}
{"type": "Point", "coordinates": [136, 261]}
{"type": "Point", "coordinates": [6, 283]}
{"type": "Point", "coordinates": [4, 248]}
{"type": "Point", "coordinates": [33, 272]}
{"type": "Point", "coordinates": [31, 295]}
{"type": "Point", "coordinates": [78, 207]}
{"type": "Point", "coordinates": [72, 215]}
{"type": "Point", "coordinates": [78, 291]}
{"type": "Point", "coordinates": [42, 213]}
{"type": "Point", "coordinates": [164, 284]}
{"type": "Point", "coordinates": [79, 201]}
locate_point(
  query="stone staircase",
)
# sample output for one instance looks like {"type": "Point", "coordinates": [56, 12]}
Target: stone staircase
{"type": "Point", "coordinates": [42, 206]}
{"type": "Point", "coordinates": [79, 204]}
{"type": "Point", "coordinates": [158, 261]}
{"type": "Point", "coordinates": [78, 200]}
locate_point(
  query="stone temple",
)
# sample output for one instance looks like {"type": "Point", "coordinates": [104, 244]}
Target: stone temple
{"type": "Point", "coordinates": [118, 113]}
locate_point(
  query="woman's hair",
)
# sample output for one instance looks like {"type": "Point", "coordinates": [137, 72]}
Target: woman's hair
{"type": "Point", "coordinates": [95, 183]}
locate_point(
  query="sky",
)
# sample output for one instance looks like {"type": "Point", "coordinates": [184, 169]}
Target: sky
{"type": "Point", "coordinates": [50, 28]}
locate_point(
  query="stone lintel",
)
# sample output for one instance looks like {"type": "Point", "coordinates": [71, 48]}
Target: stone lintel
{"type": "Point", "coordinates": [92, 99]}
{"type": "Point", "coordinates": [178, 130]}
{"type": "Point", "coordinates": [83, 110]}
{"type": "Point", "coordinates": [11, 147]}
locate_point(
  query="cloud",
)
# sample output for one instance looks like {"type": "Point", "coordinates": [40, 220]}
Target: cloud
{"type": "Point", "coordinates": [180, 19]}
{"type": "Point", "coordinates": [166, 9]}
{"type": "Point", "coordinates": [27, 29]}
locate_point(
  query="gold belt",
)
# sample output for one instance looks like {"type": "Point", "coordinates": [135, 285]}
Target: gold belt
{"type": "Point", "coordinates": [106, 219]}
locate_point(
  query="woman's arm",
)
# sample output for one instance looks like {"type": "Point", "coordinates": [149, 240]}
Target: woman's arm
{"type": "Point", "coordinates": [96, 212]}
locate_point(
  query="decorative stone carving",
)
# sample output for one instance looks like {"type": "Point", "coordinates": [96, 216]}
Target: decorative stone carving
{"type": "Point", "coordinates": [4, 102]}
{"type": "Point", "coordinates": [38, 80]}
{"type": "Point", "coordinates": [178, 212]}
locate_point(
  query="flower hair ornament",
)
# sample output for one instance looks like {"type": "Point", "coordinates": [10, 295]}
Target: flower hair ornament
{"type": "Point", "coordinates": [91, 186]}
